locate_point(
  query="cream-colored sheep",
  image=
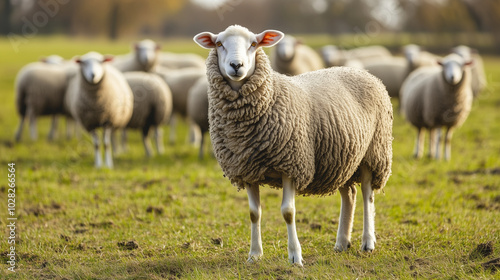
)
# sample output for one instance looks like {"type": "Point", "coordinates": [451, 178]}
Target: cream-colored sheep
{"type": "Point", "coordinates": [197, 110]}
{"type": "Point", "coordinates": [144, 57]}
{"type": "Point", "coordinates": [290, 57]}
{"type": "Point", "coordinates": [334, 56]}
{"type": "Point", "coordinates": [310, 134]}
{"type": "Point", "coordinates": [479, 81]}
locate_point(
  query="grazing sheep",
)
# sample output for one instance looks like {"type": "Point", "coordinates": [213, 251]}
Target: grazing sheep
{"type": "Point", "coordinates": [391, 70]}
{"type": "Point", "coordinates": [197, 109]}
{"type": "Point", "coordinates": [180, 81]}
{"type": "Point", "coordinates": [290, 57]}
{"type": "Point", "coordinates": [181, 60]}
{"type": "Point", "coordinates": [145, 57]}
{"type": "Point", "coordinates": [40, 88]}
{"type": "Point", "coordinates": [152, 107]}
{"type": "Point", "coordinates": [434, 97]}
{"type": "Point", "coordinates": [477, 69]}
{"type": "Point", "coordinates": [310, 134]}
{"type": "Point", "coordinates": [99, 96]}
{"type": "Point", "coordinates": [334, 56]}
{"type": "Point", "coordinates": [417, 57]}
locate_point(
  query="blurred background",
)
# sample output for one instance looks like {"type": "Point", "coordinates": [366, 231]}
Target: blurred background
{"type": "Point", "coordinates": [436, 24]}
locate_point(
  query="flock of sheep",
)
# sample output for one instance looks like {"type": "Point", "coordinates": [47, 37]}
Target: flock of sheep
{"type": "Point", "coordinates": [287, 122]}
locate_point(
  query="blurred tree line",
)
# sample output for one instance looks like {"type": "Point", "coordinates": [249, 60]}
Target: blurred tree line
{"type": "Point", "coordinates": [140, 18]}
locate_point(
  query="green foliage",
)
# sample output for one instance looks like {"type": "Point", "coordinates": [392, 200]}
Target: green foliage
{"type": "Point", "coordinates": [187, 221]}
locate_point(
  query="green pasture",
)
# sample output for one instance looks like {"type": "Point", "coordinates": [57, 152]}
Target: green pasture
{"type": "Point", "coordinates": [174, 216]}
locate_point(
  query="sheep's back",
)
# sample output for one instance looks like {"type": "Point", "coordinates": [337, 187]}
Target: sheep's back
{"type": "Point", "coordinates": [197, 107]}
{"type": "Point", "coordinates": [391, 70]}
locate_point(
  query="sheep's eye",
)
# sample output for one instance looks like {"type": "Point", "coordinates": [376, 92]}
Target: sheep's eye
{"type": "Point", "coordinates": [254, 44]}
{"type": "Point", "coordinates": [219, 44]}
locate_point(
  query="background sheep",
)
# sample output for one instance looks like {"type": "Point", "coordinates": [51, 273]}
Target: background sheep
{"type": "Point", "coordinates": [40, 88]}
{"type": "Point", "coordinates": [197, 110]}
{"type": "Point", "coordinates": [152, 107]}
{"type": "Point", "coordinates": [417, 57]}
{"type": "Point", "coordinates": [181, 60]}
{"type": "Point", "coordinates": [144, 57]}
{"type": "Point", "coordinates": [334, 56]}
{"type": "Point", "coordinates": [477, 68]}
{"type": "Point", "coordinates": [312, 134]}
{"type": "Point", "coordinates": [435, 97]}
{"type": "Point", "coordinates": [391, 70]}
{"type": "Point", "coordinates": [99, 96]}
{"type": "Point", "coordinates": [291, 57]}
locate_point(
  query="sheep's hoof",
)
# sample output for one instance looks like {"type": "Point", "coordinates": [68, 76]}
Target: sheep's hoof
{"type": "Point", "coordinates": [296, 260]}
{"type": "Point", "coordinates": [342, 246]}
{"type": "Point", "coordinates": [254, 258]}
{"type": "Point", "coordinates": [368, 245]}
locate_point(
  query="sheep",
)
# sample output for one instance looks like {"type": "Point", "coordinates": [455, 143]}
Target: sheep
{"type": "Point", "coordinates": [310, 134]}
{"type": "Point", "coordinates": [40, 89]}
{"type": "Point", "coordinates": [434, 97]}
{"type": "Point", "coordinates": [334, 56]}
{"type": "Point", "coordinates": [99, 96]}
{"type": "Point", "coordinates": [197, 110]}
{"type": "Point", "coordinates": [477, 69]}
{"type": "Point", "coordinates": [152, 107]}
{"type": "Point", "coordinates": [417, 57]}
{"type": "Point", "coordinates": [180, 81]}
{"type": "Point", "coordinates": [181, 60]}
{"type": "Point", "coordinates": [145, 57]}
{"type": "Point", "coordinates": [291, 57]}
{"type": "Point", "coordinates": [391, 70]}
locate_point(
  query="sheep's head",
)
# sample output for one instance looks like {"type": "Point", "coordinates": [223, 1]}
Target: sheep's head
{"type": "Point", "coordinates": [91, 66]}
{"type": "Point", "coordinates": [236, 47]}
{"type": "Point", "coordinates": [52, 59]}
{"type": "Point", "coordinates": [412, 53]}
{"type": "Point", "coordinates": [146, 53]}
{"type": "Point", "coordinates": [331, 55]}
{"type": "Point", "coordinates": [285, 49]}
{"type": "Point", "coordinates": [453, 68]}
{"type": "Point", "coordinates": [463, 51]}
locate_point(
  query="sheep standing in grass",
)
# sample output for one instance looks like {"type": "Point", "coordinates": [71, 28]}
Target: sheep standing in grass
{"type": "Point", "coordinates": [290, 57]}
{"type": "Point", "coordinates": [197, 110]}
{"type": "Point", "coordinates": [152, 107]}
{"type": "Point", "coordinates": [417, 57]}
{"type": "Point", "coordinates": [334, 56]}
{"type": "Point", "coordinates": [181, 60]}
{"type": "Point", "coordinates": [40, 89]}
{"type": "Point", "coordinates": [144, 57]}
{"type": "Point", "coordinates": [435, 97]}
{"type": "Point", "coordinates": [99, 96]}
{"type": "Point", "coordinates": [310, 134]}
{"type": "Point", "coordinates": [392, 71]}
{"type": "Point", "coordinates": [477, 69]}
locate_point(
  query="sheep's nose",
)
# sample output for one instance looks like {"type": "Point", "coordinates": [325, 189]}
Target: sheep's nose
{"type": "Point", "coordinates": [236, 64]}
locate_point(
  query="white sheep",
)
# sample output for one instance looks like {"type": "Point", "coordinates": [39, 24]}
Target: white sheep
{"type": "Point", "coordinates": [171, 60]}
{"type": "Point", "coordinates": [434, 97]}
{"type": "Point", "coordinates": [40, 89]}
{"type": "Point", "coordinates": [99, 96]}
{"type": "Point", "coordinates": [334, 56]}
{"type": "Point", "coordinates": [291, 57]}
{"type": "Point", "coordinates": [391, 70]}
{"type": "Point", "coordinates": [197, 110]}
{"type": "Point", "coordinates": [477, 68]}
{"type": "Point", "coordinates": [152, 107]}
{"type": "Point", "coordinates": [310, 134]}
{"type": "Point", "coordinates": [417, 57]}
{"type": "Point", "coordinates": [144, 57]}
{"type": "Point", "coordinates": [180, 81]}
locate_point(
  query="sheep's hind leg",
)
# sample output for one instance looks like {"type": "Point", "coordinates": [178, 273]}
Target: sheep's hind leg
{"type": "Point", "coordinates": [438, 141]}
{"type": "Point", "coordinates": [432, 142]}
{"type": "Point", "coordinates": [146, 142]}
{"type": "Point", "coordinates": [255, 215]}
{"type": "Point", "coordinates": [20, 128]}
{"type": "Point", "coordinates": [97, 153]}
{"type": "Point", "coordinates": [369, 240]}
{"type": "Point", "coordinates": [348, 196]}
{"type": "Point", "coordinates": [447, 143]}
{"type": "Point", "coordinates": [108, 154]}
{"type": "Point", "coordinates": [288, 212]}
{"type": "Point", "coordinates": [53, 128]}
{"type": "Point", "coordinates": [32, 118]}
{"type": "Point", "coordinates": [159, 140]}
{"type": "Point", "coordinates": [419, 143]}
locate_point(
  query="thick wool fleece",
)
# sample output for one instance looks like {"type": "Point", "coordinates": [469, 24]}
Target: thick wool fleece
{"type": "Point", "coordinates": [317, 128]}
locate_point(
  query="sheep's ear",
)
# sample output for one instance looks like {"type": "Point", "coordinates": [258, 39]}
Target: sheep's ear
{"type": "Point", "coordinates": [108, 58]}
{"type": "Point", "coordinates": [135, 46]}
{"type": "Point", "coordinates": [158, 47]}
{"type": "Point", "coordinates": [43, 59]}
{"type": "Point", "coordinates": [205, 40]}
{"type": "Point", "coordinates": [269, 38]}
{"type": "Point", "coordinates": [468, 63]}
{"type": "Point", "coordinates": [77, 59]}
{"type": "Point", "coordinates": [439, 62]}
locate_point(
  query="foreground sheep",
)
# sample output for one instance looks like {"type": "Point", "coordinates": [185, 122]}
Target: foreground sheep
{"type": "Point", "coordinates": [290, 57]}
{"type": "Point", "coordinates": [477, 69]}
{"type": "Point", "coordinates": [144, 57]}
{"type": "Point", "coordinates": [334, 56]}
{"type": "Point", "coordinates": [99, 96]}
{"type": "Point", "coordinates": [310, 134]}
{"type": "Point", "coordinates": [40, 88]}
{"type": "Point", "coordinates": [197, 110]}
{"type": "Point", "coordinates": [435, 97]}
{"type": "Point", "coordinates": [152, 107]}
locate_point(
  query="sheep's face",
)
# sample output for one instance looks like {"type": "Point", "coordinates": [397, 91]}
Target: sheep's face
{"type": "Point", "coordinates": [146, 53]}
{"type": "Point", "coordinates": [331, 55]}
{"type": "Point", "coordinates": [236, 47]}
{"type": "Point", "coordinates": [453, 68]}
{"type": "Point", "coordinates": [463, 51]}
{"type": "Point", "coordinates": [412, 53]}
{"type": "Point", "coordinates": [92, 68]}
{"type": "Point", "coordinates": [285, 49]}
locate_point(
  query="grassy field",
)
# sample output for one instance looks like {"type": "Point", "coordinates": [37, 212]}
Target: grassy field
{"type": "Point", "coordinates": [173, 216]}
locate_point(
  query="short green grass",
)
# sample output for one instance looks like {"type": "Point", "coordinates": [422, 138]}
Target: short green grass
{"type": "Point", "coordinates": [190, 223]}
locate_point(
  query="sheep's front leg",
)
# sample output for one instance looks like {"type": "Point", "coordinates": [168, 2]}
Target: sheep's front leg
{"type": "Point", "coordinates": [20, 128]}
{"type": "Point", "coordinates": [348, 196]}
{"type": "Point", "coordinates": [369, 240]}
{"type": "Point", "coordinates": [159, 140]}
{"type": "Point", "coordinates": [419, 144]}
{"type": "Point", "coordinates": [255, 214]}
{"type": "Point", "coordinates": [108, 155]}
{"type": "Point", "coordinates": [432, 142]}
{"type": "Point", "coordinates": [288, 212]}
{"type": "Point", "coordinates": [97, 153]}
{"type": "Point", "coordinates": [438, 141]}
{"type": "Point", "coordinates": [146, 142]}
{"type": "Point", "coordinates": [202, 143]}
{"type": "Point", "coordinates": [447, 143]}
{"type": "Point", "coordinates": [53, 128]}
